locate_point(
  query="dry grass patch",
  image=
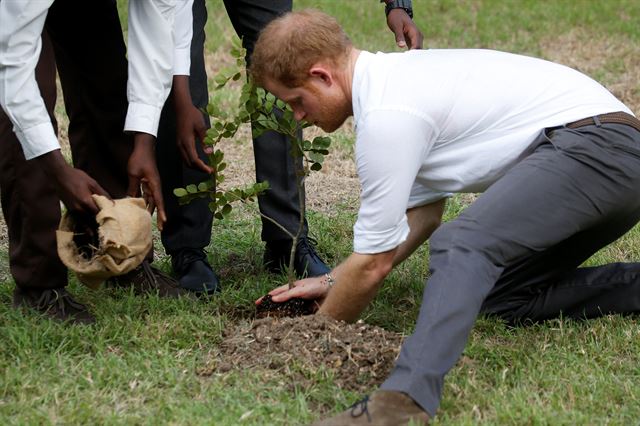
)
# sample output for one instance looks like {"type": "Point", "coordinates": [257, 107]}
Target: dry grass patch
{"type": "Point", "coordinates": [613, 61]}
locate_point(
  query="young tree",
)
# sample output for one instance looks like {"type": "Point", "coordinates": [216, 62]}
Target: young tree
{"type": "Point", "coordinates": [266, 113]}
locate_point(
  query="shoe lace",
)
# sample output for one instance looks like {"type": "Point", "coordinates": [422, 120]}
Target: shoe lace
{"type": "Point", "coordinates": [148, 274]}
{"type": "Point", "coordinates": [361, 407]}
{"type": "Point", "coordinates": [188, 256]}
{"type": "Point", "coordinates": [59, 298]}
{"type": "Point", "coordinates": [307, 245]}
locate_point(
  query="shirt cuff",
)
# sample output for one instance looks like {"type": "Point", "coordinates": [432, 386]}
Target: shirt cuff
{"type": "Point", "coordinates": [142, 118]}
{"type": "Point", "coordinates": [182, 61]}
{"type": "Point", "coordinates": [372, 242]}
{"type": "Point", "coordinates": [37, 140]}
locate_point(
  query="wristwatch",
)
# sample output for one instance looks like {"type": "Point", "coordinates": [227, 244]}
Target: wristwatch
{"type": "Point", "coordinates": [398, 4]}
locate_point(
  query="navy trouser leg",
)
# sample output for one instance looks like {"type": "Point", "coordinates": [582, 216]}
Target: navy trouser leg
{"type": "Point", "coordinates": [188, 226]}
{"type": "Point", "coordinates": [582, 181]}
{"type": "Point", "coordinates": [271, 150]}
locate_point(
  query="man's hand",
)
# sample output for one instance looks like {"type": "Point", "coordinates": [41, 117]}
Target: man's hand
{"type": "Point", "coordinates": [144, 172]}
{"type": "Point", "coordinates": [73, 186]}
{"type": "Point", "coordinates": [190, 124]}
{"type": "Point", "coordinates": [315, 288]}
{"type": "Point", "coordinates": [406, 31]}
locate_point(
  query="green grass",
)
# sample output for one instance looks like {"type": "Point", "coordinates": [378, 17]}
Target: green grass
{"type": "Point", "coordinates": [143, 362]}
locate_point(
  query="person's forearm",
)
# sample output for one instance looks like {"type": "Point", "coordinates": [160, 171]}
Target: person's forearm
{"type": "Point", "coordinates": [180, 92]}
{"type": "Point", "coordinates": [423, 221]}
{"type": "Point", "coordinates": [357, 281]}
{"type": "Point", "coordinates": [52, 163]}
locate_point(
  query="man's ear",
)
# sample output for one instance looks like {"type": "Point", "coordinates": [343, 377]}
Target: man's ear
{"type": "Point", "coordinates": [321, 73]}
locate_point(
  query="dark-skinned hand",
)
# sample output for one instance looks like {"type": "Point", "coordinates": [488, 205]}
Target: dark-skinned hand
{"type": "Point", "coordinates": [143, 174]}
{"type": "Point", "coordinates": [73, 186]}
{"type": "Point", "coordinates": [406, 31]}
{"type": "Point", "coordinates": [191, 127]}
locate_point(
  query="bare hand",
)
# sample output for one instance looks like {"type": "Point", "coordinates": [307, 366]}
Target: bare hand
{"type": "Point", "coordinates": [143, 172]}
{"type": "Point", "coordinates": [73, 186]}
{"type": "Point", "coordinates": [406, 31]}
{"type": "Point", "coordinates": [314, 288]}
{"type": "Point", "coordinates": [191, 125]}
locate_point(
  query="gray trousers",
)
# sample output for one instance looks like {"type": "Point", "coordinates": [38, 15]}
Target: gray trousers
{"type": "Point", "coordinates": [516, 251]}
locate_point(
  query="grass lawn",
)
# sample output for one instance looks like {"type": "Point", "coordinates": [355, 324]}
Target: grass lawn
{"type": "Point", "coordinates": [143, 362]}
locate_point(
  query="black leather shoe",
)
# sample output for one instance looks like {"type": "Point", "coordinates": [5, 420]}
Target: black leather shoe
{"type": "Point", "coordinates": [55, 303]}
{"type": "Point", "coordinates": [146, 279]}
{"type": "Point", "coordinates": [306, 263]}
{"type": "Point", "coordinates": [194, 272]}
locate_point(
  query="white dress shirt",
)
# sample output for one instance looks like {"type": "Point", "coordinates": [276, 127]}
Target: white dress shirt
{"type": "Point", "coordinates": [152, 63]}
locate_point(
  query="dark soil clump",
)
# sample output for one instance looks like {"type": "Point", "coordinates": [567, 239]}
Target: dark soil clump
{"type": "Point", "coordinates": [85, 235]}
{"type": "Point", "coordinates": [356, 356]}
{"type": "Point", "coordinates": [291, 308]}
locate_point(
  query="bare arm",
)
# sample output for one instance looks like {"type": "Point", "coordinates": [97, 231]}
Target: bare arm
{"type": "Point", "coordinates": [423, 221]}
{"type": "Point", "coordinates": [359, 277]}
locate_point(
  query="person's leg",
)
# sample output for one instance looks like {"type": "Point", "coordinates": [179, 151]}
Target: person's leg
{"type": "Point", "coordinates": [32, 212]}
{"type": "Point", "coordinates": [585, 180]}
{"type": "Point", "coordinates": [188, 228]}
{"type": "Point", "coordinates": [29, 202]}
{"type": "Point", "coordinates": [91, 58]}
{"type": "Point", "coordinates": [274, 162]}
{"type": "Point", "coordinates": [550, 284]}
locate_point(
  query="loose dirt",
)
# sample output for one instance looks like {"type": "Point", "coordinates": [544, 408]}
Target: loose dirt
{"type": "Point", "coordinates": [358, 356]}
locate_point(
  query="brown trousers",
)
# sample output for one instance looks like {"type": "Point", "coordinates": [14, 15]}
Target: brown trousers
{"type": "Point", "coordinates": [90, 55]}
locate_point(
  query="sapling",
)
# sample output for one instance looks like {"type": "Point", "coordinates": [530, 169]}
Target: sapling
{"type": "Point", "coordinates": [265, 113]}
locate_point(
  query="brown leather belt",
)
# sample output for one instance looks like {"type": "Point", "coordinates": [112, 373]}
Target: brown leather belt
{"type": "Point", "coordinates": [612, 117]}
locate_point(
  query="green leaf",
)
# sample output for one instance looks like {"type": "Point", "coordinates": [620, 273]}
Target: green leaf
{"type": "Point", "coordinates": [221, 166]}
{"type": "Point", "coordinates": [180, 192]}
{"type": "Point", "coordinates": [203, 186]}
{"type": "Point", "coordinates": [316, 166]}
{"type": "Point", "coordinates": [226, 209]}
{"type": "Point", "coordinates": [192, 189]}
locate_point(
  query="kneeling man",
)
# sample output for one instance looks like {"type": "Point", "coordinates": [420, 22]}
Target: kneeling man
{"type": "Point", "coordinates": [556, 156]}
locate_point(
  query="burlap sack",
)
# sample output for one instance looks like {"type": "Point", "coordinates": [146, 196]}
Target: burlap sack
{"type": "Point", "coordinates": [124, 230]}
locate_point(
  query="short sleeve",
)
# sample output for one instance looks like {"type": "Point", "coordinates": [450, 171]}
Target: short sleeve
{"type": "Point", "coordinates": [390, 148]}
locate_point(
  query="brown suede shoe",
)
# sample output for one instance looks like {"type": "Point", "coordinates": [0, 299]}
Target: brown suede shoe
{"type": "Point", "coordinates": [55, 303]}
{"type": "Point", "coordinates": [384, 408]}
{"type": "Point", "coordinates": [146, 279]}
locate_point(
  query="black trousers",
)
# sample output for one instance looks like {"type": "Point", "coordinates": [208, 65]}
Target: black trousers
{"type": "Point", "coordinates": [190, 226]}
{"type": "Point", "coordinates": [516, 251]}
{"type": "Point", "coordinates": [91, 59]}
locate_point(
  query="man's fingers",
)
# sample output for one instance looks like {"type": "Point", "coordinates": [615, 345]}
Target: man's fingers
{"type": "Point", "coordinates": [400, 41]}
{"type": "Point", "coordinates": [415, 38]}
{"type": "Point", "coordinates": [279, 290]}
{"type": "Point", "coordinates": [156, 194]}
{"type": "Point", "coordinates": [184, 154]}
{"type": "Point", "coordinates": [304, 292]}
{"type": "Point", "coordinates": [203, 166]}
{"type": "Point", "coordinates": [201, 132]}
{"type": "Point", "coordinates": [134, 187]}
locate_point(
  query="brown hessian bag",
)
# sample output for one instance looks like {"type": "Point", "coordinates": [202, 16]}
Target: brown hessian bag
{"type": "Point", "coordinates": [124, 239]}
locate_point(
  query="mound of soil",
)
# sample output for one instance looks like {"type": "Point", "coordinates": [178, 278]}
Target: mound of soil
{"type": "Point", "coordinates": [358, 356]}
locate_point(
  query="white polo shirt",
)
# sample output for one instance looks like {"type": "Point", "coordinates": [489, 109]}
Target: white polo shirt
{"type": "Point", "coordinates": [433, 122]}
